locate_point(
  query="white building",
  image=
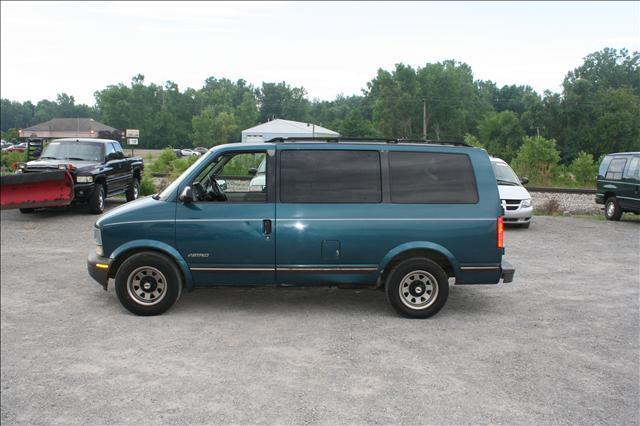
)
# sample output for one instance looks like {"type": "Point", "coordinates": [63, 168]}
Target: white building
{"type": "Point", "coordinates": [279, 128]}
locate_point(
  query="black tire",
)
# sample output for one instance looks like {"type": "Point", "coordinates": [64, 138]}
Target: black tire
{"type": "Point", "coordinates": [134, 190]}
{"type": "Point", "coordinates": [27, 211]}
{"type": "Point", "coordinates": [165, 283]}
{"type": "Point", "coordinates": [612, 210]}
{"type": "Point", "coordinates": [96, 201]}
{"type": "Point", "coordinates": [427, 278]}
{"type": "Point", "coordinates": [525, 225]}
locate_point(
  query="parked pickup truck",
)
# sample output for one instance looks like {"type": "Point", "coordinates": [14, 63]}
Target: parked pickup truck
{"type": "Point", "coordinates": [93, 170]}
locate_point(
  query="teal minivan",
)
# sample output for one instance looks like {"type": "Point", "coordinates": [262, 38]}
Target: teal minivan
{"type": "Point", "coordinates": [402, 216]}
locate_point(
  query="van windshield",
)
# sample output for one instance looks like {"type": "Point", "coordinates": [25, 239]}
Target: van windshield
{"type": "Point", "coordinates": [504, 174]}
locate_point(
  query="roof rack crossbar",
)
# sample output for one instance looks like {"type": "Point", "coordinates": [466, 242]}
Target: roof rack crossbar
{"type": "Point", "coordinates": [373, 140]}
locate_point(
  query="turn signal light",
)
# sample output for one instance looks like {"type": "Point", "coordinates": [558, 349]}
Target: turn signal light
{"type": "Point", "coordinates": [500, 232]}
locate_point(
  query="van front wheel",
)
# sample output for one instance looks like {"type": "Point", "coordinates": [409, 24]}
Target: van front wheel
{"type": "Point", "coordinates": [417, 288]}
{"type": "Point", "coordinates": [612, 210]}
{"type": "Point", "coordinates": [148, 283]}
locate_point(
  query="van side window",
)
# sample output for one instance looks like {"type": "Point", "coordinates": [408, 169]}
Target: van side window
{"type": "Point", "coordinates": [324, 176]}
{"type": "Point", "coordinates": [432, 177]}
{"type": "Point", "coordinates": [632, 170]}
{"type": "Point", "coordinates": [615, 169]}
{"type": "Point", "coordinates": [240, 177]}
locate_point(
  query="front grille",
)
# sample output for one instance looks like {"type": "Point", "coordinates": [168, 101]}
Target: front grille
{"type": "Point", "coordinates": [511, 204]}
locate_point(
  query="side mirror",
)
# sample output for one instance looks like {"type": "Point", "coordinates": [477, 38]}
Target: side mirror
{"type": "Point", "coordinates": [186, 196]}
{"type": "Point", "coordinates": [253, 171]}
{"type": "Point", "coordinates": [524, 180]}
{"type": "Point", "coordinates": [111, 156]}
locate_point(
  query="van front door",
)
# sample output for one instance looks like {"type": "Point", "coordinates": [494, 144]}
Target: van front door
{"type": "Point", "coordinates": [226, 233]}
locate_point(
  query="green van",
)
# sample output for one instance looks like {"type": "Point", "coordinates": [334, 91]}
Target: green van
{"type": "Point", "coordinates": [619, 184]}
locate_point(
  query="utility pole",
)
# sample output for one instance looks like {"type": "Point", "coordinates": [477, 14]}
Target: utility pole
{"type": "Point", "coordinates": [424, 118]}
{"type": "Point", "coordinates": [538, 130]}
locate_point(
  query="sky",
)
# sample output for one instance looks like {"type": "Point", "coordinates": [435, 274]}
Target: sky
{"type": "Point", "coordinates": [328, 48]}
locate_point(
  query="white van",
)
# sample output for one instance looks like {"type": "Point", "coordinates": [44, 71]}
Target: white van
{"type": "Point", "coordinates": [514, 197]}
{"type": "Point", "coordinates": [259, 177]}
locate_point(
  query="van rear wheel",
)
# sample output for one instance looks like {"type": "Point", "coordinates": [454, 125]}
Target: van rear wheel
{"type": "Point", "coordinates": [417, 288]}
{"type": "Point", "coordinates": [148, 283]}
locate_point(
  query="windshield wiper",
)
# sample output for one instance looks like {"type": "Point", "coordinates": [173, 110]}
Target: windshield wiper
{"type": "Point", "coordinates": [506, 182]}
{"type": "Point", "coordinates": [75, 158]}
{"type": "Point", "coordinates": [48, 158]}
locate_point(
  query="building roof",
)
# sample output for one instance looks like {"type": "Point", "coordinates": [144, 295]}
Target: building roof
{"type": "Point", "coordinates": [288, 126]}
{"type": "Point", "coordinates": [69, 125]}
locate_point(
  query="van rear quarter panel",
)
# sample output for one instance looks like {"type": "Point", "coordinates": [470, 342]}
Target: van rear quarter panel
{"type": "Point", "coordinates": [368, 233]}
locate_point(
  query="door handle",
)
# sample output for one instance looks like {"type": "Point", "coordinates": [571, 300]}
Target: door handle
{"type": "Point", "coordinates": [266, 227]}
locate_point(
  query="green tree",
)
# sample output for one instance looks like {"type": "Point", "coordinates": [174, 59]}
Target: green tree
{"type": "Point", "coordinates": [599, 109]}
{"type": "Point", "coordinates": [356, 126]}
{"type": "Point", "coordinates": [203, 128]}
{"type": "Point", "coordinates": [501, 134]}
{"type": "Point", "coordinates": [279, 100]}
{"type": "Point", "coordinates": [537, 159]}
{"type": "Point", "coordinates": [224, 128]}
{"type": "Point", "coordinates": [617, 122]}
{"type": "Point", "coordinates": [608, 68]}
{"type": "Point", "coordinates": [471, 140]}
{"type": "Point", "coordinates": [454, 103]}
{"type": "Point", "coordinates": [583, 169]}
{"type": "Point", "coordinates": [16, 115]}
{"type": "Point", "coordinates": [247, 112]}
{"type": "Point", "coordinates": [10, 135]}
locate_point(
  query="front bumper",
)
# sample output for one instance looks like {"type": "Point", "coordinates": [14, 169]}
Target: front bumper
{"type": "Point", "coordinates": [508, 271]}
{"type": "Point", "coordinates": [98, 268]}
{"type": "Point", "coordinates": [521, 216]}
{"type": "Point", "coordinates": [83, 191]}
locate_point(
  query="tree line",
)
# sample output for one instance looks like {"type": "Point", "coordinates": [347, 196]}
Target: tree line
{"type": "Point", "coordinates": [598, 110]}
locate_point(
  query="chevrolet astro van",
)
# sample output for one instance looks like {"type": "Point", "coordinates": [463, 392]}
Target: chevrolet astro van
{"type": "Point", "coordinates": [402, 216]}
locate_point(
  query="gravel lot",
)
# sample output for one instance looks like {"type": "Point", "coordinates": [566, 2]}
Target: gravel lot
{"type": "Point", "coordinates": [558, 345]}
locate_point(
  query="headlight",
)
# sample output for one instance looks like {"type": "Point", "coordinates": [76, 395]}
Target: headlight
{"type": "Point", "coordinates": [526, 203]}
{"type": "Point", "coordinates": [62, 166]}
{"type": "Point", "coordinates": [97, 235]}
{"type": "Point", "coordinates": [84, 179]}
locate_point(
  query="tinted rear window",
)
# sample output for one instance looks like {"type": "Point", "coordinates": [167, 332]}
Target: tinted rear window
{"type": "Point", "coordinates": [430, 177]}
{"type": "Point", "coordinates": [330, 176]}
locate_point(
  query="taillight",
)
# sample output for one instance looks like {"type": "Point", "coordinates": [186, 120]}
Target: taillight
{"type": "Point", "coordinates": [500, 232]}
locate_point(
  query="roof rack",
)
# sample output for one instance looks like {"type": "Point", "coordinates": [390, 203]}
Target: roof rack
{"type": "Point", "coordinates": [369, 140]}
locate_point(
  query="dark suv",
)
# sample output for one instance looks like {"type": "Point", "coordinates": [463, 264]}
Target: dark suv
{"type": "Point", "coordinates": [619, 184]}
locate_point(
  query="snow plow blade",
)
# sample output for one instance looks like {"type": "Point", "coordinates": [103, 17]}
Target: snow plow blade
{"type": "Point", "coordinates": [34, 190]}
